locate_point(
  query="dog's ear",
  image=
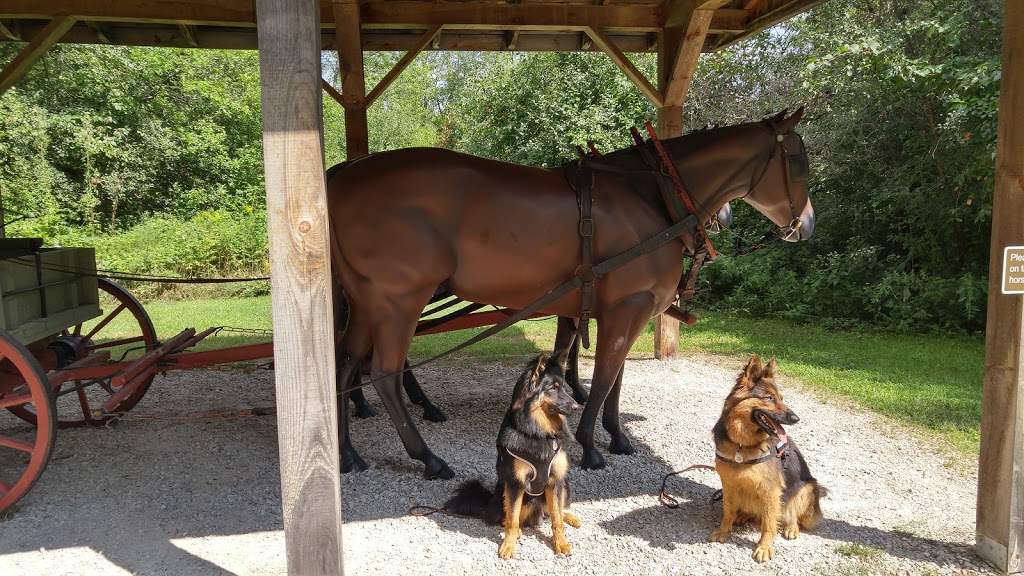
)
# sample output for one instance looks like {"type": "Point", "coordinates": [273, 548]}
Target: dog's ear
{"type": "Point", "coordinates": [769, 370]}
{"type": "Point", "coordinates": [562, 358]}
{"type": "Point", "coordinates": [753, 368]}
{"type": "Point", "coordinates": [528, 382]}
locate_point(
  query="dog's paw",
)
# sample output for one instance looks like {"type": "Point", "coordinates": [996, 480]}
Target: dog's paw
{"type": "Point", "coordinates": [719, 536]}
{"type": "Point", "coordinates": [791, 532]}
{"type": "Point", "coordinates": [507, 550]}
{"type": "Point", "coordinates": [571, 519]}
{"type": "Point", "coordinates": [763, 553]}
{"type": "Point", "coordinates": [561, 547]}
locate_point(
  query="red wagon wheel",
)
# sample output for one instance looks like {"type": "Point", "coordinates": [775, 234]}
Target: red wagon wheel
{"type": "Point", "coordinates": [24, 450]}
{"type": "Point", "coordinates": [125, 332]}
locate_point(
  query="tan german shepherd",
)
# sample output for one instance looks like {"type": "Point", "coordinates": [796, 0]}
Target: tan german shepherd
{"type": "Point", "coordinates": [764, 475]}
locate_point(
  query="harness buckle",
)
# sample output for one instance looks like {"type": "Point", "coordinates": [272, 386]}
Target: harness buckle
{"type": "Point", "coordinates": [586, 227]}
{"type": "Point", "coordinates": [793, 228]}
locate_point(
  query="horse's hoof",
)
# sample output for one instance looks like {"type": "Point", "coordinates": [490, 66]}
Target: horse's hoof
{"type": "Point", "coordinates": [363, 411]}
{"type": "Point", "coordinates": [592, 460]}
{"type": "Point", "coordinates": [433, 413]}
{"type": "Point", "coordinates": [437, 468]}
{"type": "Point", "coordinates": [351, 462]}
{"type": "Point", "coordinates": [621, 445]}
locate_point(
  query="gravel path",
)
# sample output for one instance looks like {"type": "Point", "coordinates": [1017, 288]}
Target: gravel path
{"type": "Point", "coordinates": [199, 495]}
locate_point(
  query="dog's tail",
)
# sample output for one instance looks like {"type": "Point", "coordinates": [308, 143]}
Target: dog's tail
{"type": "Point", "coordinates": [473, 499]}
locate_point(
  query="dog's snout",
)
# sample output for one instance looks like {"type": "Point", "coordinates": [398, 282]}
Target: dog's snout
{"type": "Point", "coordinates": [791, 417]}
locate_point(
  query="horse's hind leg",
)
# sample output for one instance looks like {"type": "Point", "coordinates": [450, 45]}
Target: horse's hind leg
{"type": "Point", "coordinates": [361, 407]}
{"type": "Point", "coordinates": [392, 336]}
{"type": "Point", "coordinates": [620, 443]}
{"type": "Point", "coordinates": [565, 335]}
{"type": "Point", "coordinates": [431, 411]}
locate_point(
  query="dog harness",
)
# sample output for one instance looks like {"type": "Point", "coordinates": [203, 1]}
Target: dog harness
{"type": "Point", "coordinates": [776, 451]}
{"type": "Point", "coordinates": [536, 484]}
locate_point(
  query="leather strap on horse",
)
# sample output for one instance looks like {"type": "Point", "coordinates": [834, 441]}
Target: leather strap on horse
{"type": "Point", "coordinates": [585, 271]}
{"type": "Point", "coordinates": [670, 168]}
{"type": "Point", "coordinates": [651, 244]}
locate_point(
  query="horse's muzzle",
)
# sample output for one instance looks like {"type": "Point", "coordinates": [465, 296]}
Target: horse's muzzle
{"type": "Point", "coordinates": [806, 224]}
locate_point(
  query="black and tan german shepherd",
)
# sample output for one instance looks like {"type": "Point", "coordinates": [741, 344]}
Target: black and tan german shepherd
{"type": "Point", "coordinates": [532, 466]}
{"type": "Point", "coordinates": [764, 475]}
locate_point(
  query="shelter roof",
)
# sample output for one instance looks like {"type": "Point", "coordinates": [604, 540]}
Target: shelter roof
{"type": "Point", "coordinates": [490, 25]}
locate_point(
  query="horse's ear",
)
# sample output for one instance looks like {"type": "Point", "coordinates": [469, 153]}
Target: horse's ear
{"type": "Point", "coordinates": [787, 125]}
{"type": "Point", "coordinates": [780, 116]}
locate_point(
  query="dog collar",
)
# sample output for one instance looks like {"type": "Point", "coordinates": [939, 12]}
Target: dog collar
{"type": "Point", "coordinates": [775, 451]}
{"type": "Point", "coordinates": [538, 490]}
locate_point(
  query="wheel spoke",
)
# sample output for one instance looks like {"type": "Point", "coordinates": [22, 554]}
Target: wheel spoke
{"type": "Point", "coordinates": [84, 402]}
{"type": "Point", "coordinates": [18, 399]}
{"type": "Point", "coordinates": [8, 442]}
{"type": "Point", "coordinates": [106, 320]}
{"type": "Point", "coordinates": [113, 343]}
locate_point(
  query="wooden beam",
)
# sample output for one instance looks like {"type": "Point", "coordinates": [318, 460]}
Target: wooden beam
{"type": "Point", "coordinates": [479, 15]}
{"type": "Point", "coordinates": [499, 16]}
{"type": "Point", "coordinates": [1000, 508]}
{"type": "Point", "coordinates": [289, 44]}
{"type": "Point", "coordinates": [767, 20]}
{"type": "Point", "coordinates": [332, 92]}
{"type": "Point", "coordinates": [99, 30]}
{"type": "Point", "coordinates": [402, 64]}
{"type": "Point", "coordinates": [628, 68]}
{"type": "Point", "coordinates": [353, 81]}
{"type": "Point", "coordinates": [511, 39]}
{"type": "Point", "coordinates": [168, 36]}
{"type": "Point", "coordinates": [686, 59]}
{"type": "Point", "coordinates": [22, 63]}
{"type": "Point", "coordinates": [9, 30]}
{"type": "Point", "coordinates": [188, 32]}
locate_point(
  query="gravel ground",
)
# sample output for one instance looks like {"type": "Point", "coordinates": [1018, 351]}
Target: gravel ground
{"type": "Point", "coordinates": [171, 491]}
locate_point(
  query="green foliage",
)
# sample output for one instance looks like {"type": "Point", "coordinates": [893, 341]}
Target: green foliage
{"type": "Point", "coordinates": [533, 108]}
{"type": "Point", "coordinates": [120, 133]}
{"type": "Point", "coordinates": [208, 245]}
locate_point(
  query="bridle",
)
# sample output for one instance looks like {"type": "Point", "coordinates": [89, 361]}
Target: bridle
{"type": "Point", "coordinates": [795, 168]}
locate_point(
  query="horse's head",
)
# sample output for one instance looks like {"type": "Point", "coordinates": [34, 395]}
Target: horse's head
{"type": "Point", "coordinates": [778, 187]}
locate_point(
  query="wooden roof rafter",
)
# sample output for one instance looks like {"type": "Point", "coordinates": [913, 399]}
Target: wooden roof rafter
{"type": "Point", "coordinates": [479, 25]}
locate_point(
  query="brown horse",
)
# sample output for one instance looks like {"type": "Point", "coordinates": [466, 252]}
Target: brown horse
{"type": "Point", "coordinates": [406, 221]}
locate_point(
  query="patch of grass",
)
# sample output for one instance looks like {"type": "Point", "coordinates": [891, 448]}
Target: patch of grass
{"type": "Point", "coordinates": [932, 382]}
{"type": "Point", "coordinates": [857, 551]}
{"type": "Point", "coordinates": [929, 382]}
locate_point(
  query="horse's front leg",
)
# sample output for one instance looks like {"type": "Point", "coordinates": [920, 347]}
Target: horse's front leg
{"type": "Point", "coordinates": [620, 443]}
{"type": "Point", "coordinates": [619, 327]}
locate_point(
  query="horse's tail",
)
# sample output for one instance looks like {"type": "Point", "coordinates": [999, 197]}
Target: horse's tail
{"type": "Point", "coordinates": [473, 499]}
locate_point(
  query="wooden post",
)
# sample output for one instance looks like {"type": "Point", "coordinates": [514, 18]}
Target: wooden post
{"type": "Point", "coordinates": [353, 84]}
{"type": "Point", "coordinates": [670, 125]}
{"type": "Point", "coordinates": [289, 44]}
{"type": "Point", "coordinates": [1000, 511]}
